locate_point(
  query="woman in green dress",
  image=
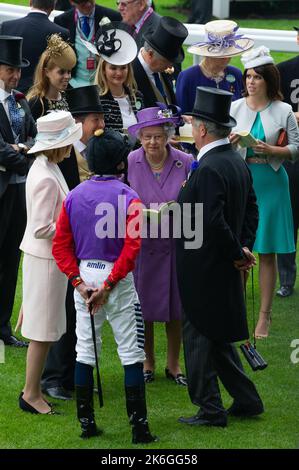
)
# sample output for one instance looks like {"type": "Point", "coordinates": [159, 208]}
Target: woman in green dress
{"type": "Point", "coordinates": [263, 113]}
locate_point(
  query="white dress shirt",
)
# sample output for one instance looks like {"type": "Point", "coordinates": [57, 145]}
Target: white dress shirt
{"type": "Point", "coordinates": [208, 147]}
{"type": "Point", "coordinates": [147, 68]}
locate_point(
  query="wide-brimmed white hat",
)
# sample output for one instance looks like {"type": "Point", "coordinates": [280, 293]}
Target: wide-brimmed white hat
{"type": "Point", "coordinates": [114, 44]}
{"type": "Point", "coordinates": [257, 57]}
{"type": "Point", "coordinates": [222, 40]}
{"type": "Point", "coordinates": [55, 130]}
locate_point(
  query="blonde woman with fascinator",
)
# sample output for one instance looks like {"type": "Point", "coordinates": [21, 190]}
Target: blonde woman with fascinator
{"type": "Point", "coordinates": [51, 78]}
{"type": "Point", "coordinates": [44, 287]}
{"type": "Point", "coordinates": [265, 116]}
{"type": "Point", "coordinates": [120, 98]}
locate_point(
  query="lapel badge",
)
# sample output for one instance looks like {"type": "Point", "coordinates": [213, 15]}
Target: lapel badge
{"type": "Point", "coordinates": [178, 164]}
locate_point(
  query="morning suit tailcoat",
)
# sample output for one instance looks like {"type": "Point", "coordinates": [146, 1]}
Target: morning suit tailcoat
{"type": "Point", "coordinates": [210, 286]}
{"type": "Point", "coordinates": [35, 28]}
{"type": "Point", "coordinates": [289, 74]}
{"type": "Point", "coordinates": [14, 166]}
{"type": "Point", "coordinates": [148, 27]}
{"type": "Point", "coordinates": [155, 273]}
{"type": "Point", "coordinates": [148, 90]}
{"type": "Point", "coordinates": [12, 161]}
{"type": "Point", "coordinates": [67, 19]}
{"type": "Point", "coordinates": [289, 85]}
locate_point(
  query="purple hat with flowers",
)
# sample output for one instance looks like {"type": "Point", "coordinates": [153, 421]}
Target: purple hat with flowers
{"type": "Point", "coordinates": [157, 116]}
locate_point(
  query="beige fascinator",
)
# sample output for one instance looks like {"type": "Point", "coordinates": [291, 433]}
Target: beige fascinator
{"type": "Point", "coordinates": [61, 52]}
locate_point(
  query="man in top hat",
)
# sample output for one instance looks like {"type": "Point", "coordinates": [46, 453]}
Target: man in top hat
{"type": "Point", "coordinates": [35, 29]}
{"type": "Point", "coordinates": [140, 16]}
{"type": "Point", "coordinates": [85, 106]}
{"type": "Point", "coordinates": [289, 83]}
{"type": "Point", "coordinates": [17, 130]}
{"type": "Point", "coordinates": [209, 276]}
{"type": "Point", "coordinates": [83, 21]}
{"type": "Point", "coordinates": [161, 50]}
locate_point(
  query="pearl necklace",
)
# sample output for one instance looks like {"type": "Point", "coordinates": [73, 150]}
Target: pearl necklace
{"type": "Point", "coordinates": [214, 76]}
{"type": "Point", "coordinates": [156, 166]}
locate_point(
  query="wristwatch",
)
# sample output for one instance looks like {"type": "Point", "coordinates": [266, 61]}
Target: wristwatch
{"type": "Point", "coordinates": [22, 147]}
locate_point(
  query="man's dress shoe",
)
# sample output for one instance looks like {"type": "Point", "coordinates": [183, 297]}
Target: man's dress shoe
{"type": "Point", "coordinates": [57, 392]}
{"type": "Point", "coordinates": [13, 341]}
{"type": "Point", "coordinates": [200, 420]}
{"type": "Point", "coordinates": [245, 411]}
{"type": "Point", "coordinates": [285, 291]}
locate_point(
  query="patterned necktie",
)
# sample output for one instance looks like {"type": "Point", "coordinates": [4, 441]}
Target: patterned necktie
{"type": "Point", "coordinates": [85, 26]}
{"type": "Point", "coordinates": [15, 115]}
{"type": "Point", "coordinates": [159, 84]}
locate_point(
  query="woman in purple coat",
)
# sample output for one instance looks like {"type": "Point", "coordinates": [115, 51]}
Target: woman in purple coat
{"type": "Point", "coordinates": [156, 172]}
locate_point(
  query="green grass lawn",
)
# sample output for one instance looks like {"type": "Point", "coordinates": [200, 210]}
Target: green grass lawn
{"type": "Point", "coordinates": [278, 386]}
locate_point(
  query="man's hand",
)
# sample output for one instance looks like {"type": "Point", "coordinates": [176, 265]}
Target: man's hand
{"type": "Point", "coordinates": [84, 290]}
{"type": "Point", "coordinates": [15, 147]}
{"type": "Point", "coordinates": [245, 264]}
{"type": "Point", "coordinates": [98, 298]}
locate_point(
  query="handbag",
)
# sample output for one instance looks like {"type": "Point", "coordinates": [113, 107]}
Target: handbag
{"type": "Point", "coordinates": [282, 140]}
{"type": "Point", "coordinates": [254, 359]}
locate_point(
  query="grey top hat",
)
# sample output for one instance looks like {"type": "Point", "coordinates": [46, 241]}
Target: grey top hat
{"type": "Point", "coordinates": [11, 52]}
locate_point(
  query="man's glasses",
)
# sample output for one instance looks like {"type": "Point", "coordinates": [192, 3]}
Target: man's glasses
{"type": "Point", "coordinates": [124, 4]}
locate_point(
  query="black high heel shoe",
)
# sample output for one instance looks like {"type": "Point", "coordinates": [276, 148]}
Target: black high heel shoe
{"type": "Point", "coordinates": [48, 403]}
{"type": "Point", "coordinates": [24, 406]}
{"type": "Point", "coordinates": [179, 379]}
{"type": "Point", "coordinates": [149, 376]}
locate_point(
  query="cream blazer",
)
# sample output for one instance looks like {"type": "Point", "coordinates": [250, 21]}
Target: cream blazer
{"type": "Point", "coordinates": [274, 118]}
{"type": "Point", "coordinates": [46, 190]}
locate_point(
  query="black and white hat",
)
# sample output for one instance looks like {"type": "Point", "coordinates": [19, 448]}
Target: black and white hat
{"type": "Point", "coordinates": [114, 44]}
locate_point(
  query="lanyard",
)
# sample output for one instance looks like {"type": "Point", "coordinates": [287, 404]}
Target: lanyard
{"type": "Point", "coordinates": [76, 18]}
{"type": "Point", "coordinates": [146, 15]}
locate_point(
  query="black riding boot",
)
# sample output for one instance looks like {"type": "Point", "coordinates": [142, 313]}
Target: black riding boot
{"type": "Point", "coordinates": [85, 411]}
{"type": "Point", "coordinates": [136, 409]}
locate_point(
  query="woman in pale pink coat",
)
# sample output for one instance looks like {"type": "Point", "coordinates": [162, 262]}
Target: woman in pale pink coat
{"type": "Point", "coordinates": [44, 286]}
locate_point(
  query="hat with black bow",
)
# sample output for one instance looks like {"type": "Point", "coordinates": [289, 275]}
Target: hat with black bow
{"type": "Point", "coordinates": [114, 44]}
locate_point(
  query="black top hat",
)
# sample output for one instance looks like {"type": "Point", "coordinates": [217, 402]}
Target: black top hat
{"type": "Point", "coordinates": [84, 100]}
{"type": "Point", "coordinates": [212, 104]}
{"type": "Point", "coordinates": [106, 151]}
{"type": "Point", "coordinates": [11, 52]}
{"type": "Point", "coordinates": [168, 38]}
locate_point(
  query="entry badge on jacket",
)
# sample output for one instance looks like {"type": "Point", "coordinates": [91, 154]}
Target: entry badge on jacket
{"type": "Point", "coordinates": [90, 63]}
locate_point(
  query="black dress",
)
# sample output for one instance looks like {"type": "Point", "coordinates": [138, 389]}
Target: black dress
{"type": "Point", "coordinates": [41, 106]}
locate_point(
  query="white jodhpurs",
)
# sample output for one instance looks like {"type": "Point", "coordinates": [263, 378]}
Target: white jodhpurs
{"type": "Point", "coordinates": [122, 310]}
